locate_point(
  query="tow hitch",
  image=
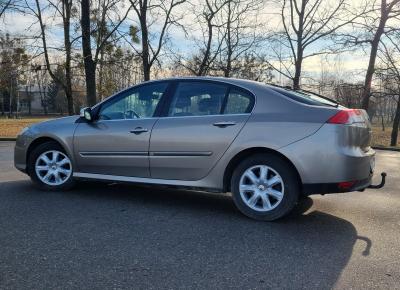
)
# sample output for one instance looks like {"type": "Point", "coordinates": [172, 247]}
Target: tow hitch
{"type": "Point", "coordinates": [380, 185]}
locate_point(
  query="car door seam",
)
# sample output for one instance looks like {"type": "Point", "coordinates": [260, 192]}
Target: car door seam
{"type": "Point", "coordinates": [149, 145]}
{"type": "Point", "coordinates": [227, 148]}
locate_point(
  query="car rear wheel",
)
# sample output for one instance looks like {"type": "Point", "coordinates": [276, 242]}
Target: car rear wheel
{"type": "Point", "coordinates": [265, 187]}
{"type": "Point", "coordinates": [50, 167]}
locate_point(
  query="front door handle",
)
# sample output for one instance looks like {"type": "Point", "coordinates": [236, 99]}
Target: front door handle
{"type": "Point", "coordinates": [224, 124]}
{"type": "Point", "coordinates": [138, 130]}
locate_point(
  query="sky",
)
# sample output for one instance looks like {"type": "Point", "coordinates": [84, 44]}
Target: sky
{"type": "Point", "coordinates": [351, 63]}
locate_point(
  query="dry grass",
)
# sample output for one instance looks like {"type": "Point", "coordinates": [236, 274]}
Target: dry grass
{"type": "Point", "coordinates": [382, 138]}
{"type": "Point", "coordinates": [11, 128]}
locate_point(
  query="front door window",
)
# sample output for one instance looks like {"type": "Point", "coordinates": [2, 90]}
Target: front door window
{"type": "Point", "coordinates": [136, 103]}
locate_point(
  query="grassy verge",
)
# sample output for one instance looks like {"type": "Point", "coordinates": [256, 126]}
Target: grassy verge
{"type": "Point", "coordinates": [382, 138]}
{"type": "Point", "coordinates": [11, 127]}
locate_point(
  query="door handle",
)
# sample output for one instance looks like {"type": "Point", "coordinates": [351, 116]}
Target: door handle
{"type": "Point", "coordinates": [138, 130]}
{"type": "Point", "coordinates": [224, 124]}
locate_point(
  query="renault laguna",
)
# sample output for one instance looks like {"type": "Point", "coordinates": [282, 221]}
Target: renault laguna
{"type": "Point", "coordinates": [267, 145]}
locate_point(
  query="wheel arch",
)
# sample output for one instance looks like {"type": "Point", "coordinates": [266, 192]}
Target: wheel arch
{"type": "Point", "coordinates": [234, 162]}
{"type": "Point", "coordinates": [38, 141]}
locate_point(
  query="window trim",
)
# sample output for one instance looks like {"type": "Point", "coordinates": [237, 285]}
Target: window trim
{"type": "Point", "coordinates": [174, 85]}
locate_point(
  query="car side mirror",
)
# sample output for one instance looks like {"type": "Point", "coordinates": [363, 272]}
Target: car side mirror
{"type": "Point", "coordinates": [87, 114]}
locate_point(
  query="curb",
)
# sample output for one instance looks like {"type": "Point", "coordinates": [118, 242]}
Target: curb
{"type": "Point", "coordinates": [386, 148]}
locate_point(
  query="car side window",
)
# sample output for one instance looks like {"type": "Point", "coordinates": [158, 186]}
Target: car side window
{"type": "Point", "coordinates": [140, 102]}
{"type": "Point", "coordinates": [239, 102]}
{"type": "Point", "coordinates": [197, 99]}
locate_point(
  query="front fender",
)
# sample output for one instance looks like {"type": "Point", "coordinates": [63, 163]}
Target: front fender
{"type": "Point", "coordinates": [60, 130]}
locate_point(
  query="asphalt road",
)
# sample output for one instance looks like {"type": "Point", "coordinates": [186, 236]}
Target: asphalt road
{"type": "Point", "coordinates": [120, 236]}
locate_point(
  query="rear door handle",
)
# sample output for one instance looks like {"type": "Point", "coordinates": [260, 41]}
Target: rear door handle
{"type": "Point", "coordinates": [224, 124]}
{"type": "Point", "coordinates": [138, 130]}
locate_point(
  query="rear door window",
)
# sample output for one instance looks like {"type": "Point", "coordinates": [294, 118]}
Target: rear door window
{"type": "Point", "coordinates": [197, 99]}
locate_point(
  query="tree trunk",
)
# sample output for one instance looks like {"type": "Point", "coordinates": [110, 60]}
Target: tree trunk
{"type": "Point", "coordinates": [298, 66]}
{"type": "Point", "coordinates": [396, 123]}
{"type": "Point", "coordinates": [370, 73]}
{"type": "Point", "coordinates": [29, 99]}
{"type": "Point", "coordinates": [30, 106]}
{"type": "Point", "coordinates": [297, 73]}
{"type": "Point", "coordinates": [43, 98]}
{"type": "Point", "coordinates": [90, 67]}
{"type": "Point", "coordinates": [10, 102]}
{"type": "Point", "coordinates": [300, 49]}
{"type": "Point", "coordinates": [228, 68]}
{"type": "Point", "coordinates": [372, 58]}
{"type": "Point", "coordinates": [3, 104]}
{"type": "Point", "coordinates": [145, 41]}
{"type": "Point", "coordinates": [100, 88]}
{"type": "Point", "coordinates": [67, 43]}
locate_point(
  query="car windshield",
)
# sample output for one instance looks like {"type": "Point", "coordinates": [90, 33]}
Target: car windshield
{"type": "Point", "coordinates": [306, 97]}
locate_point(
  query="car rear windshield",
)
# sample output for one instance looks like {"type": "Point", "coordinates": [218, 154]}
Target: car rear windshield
{"type": "Point", "coordinates": [305, 97]}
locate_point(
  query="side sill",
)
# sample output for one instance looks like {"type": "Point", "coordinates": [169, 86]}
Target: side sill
{"type": "Point", "coordinates": [195, 185]}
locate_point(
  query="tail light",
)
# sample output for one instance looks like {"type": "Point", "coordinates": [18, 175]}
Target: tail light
{"type": "Point", "coordinates": [347, 116]}
{"type": "Point", "coordinates": [346, 185]}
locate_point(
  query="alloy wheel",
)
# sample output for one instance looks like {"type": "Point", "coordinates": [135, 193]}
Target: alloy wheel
{"type": "Point", "coordinates": [261, 188]}
{"type": "Point", "coordinates": [53, 168]}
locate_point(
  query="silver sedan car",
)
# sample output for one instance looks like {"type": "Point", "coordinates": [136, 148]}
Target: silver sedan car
{"type": "Point", "coordinates": [268, 145]}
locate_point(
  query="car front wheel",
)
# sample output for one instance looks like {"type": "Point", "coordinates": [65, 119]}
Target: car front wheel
{"type": "Point", "coordinates": [265, 187]}
{"type": "Point", "coordinates": [50, 168]}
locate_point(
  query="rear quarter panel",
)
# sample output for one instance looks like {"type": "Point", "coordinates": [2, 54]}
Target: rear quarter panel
{"type": "Point", "coordinates": [329, 157]}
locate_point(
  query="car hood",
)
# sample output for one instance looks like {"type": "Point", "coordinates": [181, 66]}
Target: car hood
{"type": "Point", "coordinates": [54, 123]}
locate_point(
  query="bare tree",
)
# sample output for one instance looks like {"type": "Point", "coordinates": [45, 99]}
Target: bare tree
{"type": "Point", "coordinates": [13, 63]}
{"type": "Point", "coordinates": [201, 60]}
{"type": "Point", "coordinates": [253, 67]}
{"type": "Point", "coordinates": [62, 8]}
{"type": "Point", "coordinates": [6, 5]}
{"type": "Point", "coordinates": [105, 29]}
{"type": "Point", "coordinates": [89, 64]}
{"type": "Point", "coordinates": [238, 32]}
{"type": "Point", "coordinates": [162, 10]}
{"type": "Point", "coordinates": [208, 17]}
{"type": "Point", "coordinates": [305, 22]}
{"type": "Point", "coordinates": [391, 70]}
{"type": "Point", "coordinates": [387, 11]}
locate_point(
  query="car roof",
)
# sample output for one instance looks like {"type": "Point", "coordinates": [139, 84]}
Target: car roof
{"type": "Point", "coordinates": [246, 84]}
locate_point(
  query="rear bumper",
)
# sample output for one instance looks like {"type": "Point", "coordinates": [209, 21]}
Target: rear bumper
{"type": "Point", "coordinates": [325, 188]}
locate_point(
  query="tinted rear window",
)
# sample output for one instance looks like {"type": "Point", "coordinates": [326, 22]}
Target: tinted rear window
{"type": "Point", "coordinates": [305, 97]}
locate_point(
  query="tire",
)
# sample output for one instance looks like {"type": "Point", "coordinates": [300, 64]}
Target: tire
{"type": "Point", "coordinates": [61, 168]}
{"type": "Point", "coordinates": [268, 198]}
